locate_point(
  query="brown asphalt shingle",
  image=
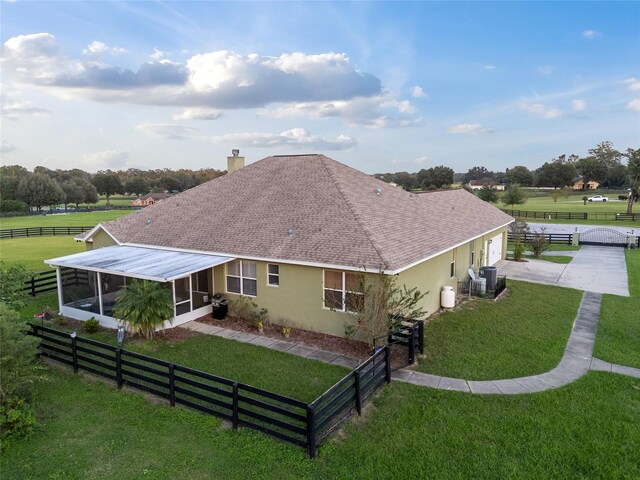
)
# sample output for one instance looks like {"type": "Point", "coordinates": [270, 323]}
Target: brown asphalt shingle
{"type": "Point", "coordinates": [337, 216]}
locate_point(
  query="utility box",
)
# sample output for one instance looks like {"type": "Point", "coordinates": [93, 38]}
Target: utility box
{"type": "Point", "coordinates": [491, 274]}
{"type": "Point", "coordinates": [219, 306]}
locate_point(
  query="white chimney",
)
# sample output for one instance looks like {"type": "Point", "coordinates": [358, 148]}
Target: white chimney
{"type": "Point", "coordinates": [235, 161]}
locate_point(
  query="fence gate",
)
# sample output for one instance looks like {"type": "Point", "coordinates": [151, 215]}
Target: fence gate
{"type": "Point", "coordinates": [604, 236]}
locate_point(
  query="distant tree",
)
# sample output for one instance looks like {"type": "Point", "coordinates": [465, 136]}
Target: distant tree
{"type": "Point", "coordinates": [555, 194]}
{"type": "Point", "coordinates": [558, 173]}
{"type": "Point", "coordinates": [107, 184]}
{"type": "Point", "coordinates": [488, 194]}
{"type": "Point", "coordinates": [37, 190]}
{"type": "Point", "coordinates": [477, 173]}
{"type": "Point", "coordinates": [514, 195]}
{"type": "Point", "coordinates": [13, 206]}
{"type": "Point", "coordinates": [566, 192]}
{"type": "Point", "coordinates": [633, 177]}
{"type": "Point", "coordinates": [171, 184]}
{"type": "Point", "coordinates": [436, 177]}
{"type": "Point", "coordinates": [73, 193]}
{"type": "Point", "coordinates": [616, 176]}
{"type": "Point", "coordinates": [137, 185]}
{"type": "Point", "coordinates": [591, 169]}
{"type": "Point", "coordinates": [406, 180]}
{"type": "Point", "coordinates": [8, 187]}
{"type": "Point", "coordinates": [520, 175]}
{"type": "Point", "coordinates": [89, 191]}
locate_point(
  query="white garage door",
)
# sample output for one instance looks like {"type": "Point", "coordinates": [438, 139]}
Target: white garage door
{"type": "Point", "coordinates": [495, 249]}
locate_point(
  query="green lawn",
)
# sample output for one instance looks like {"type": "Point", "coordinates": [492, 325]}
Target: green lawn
{"type": "Point", "coordinates": [89, 430]}
{"type": "Point", "coordinates": [553, 258]}
{"type": "Point", "coordinates": [31, 252]}
{"type": "Point", "coordinates": [62, 220]}
{"type": "Point", "coordinates": [618, 337]}
{"type": "Point", "coordinates": [523, 334]}
{"type": "Point", "coordinates": [574, 204]}
{"type": "Point", "coordinates": [553, 247]}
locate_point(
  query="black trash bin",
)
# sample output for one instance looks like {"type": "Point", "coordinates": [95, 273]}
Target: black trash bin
{"type": "Point", "coordinates": [491, 274]}
{"type": "Point", "coordinates": [219, 306]}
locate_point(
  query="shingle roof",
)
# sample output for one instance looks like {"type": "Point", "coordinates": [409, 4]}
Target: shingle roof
{"type": "Point", "coordinates": [310, 208]}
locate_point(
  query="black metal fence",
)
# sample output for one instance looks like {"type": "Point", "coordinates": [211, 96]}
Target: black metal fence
{"type": "Point", "coordinates": [557, 238]}
{"type": "Point", "coordinates": [70, 210]}
{"type": "Point", "coordinates": [47, 281]}
{"type": "Point", "coordinates": [42, 231]}
{"type": "Point", "coordinates": [475, 288]}
{"type": "Point", "coordinates": [293, 421]}
{"type": "Point", "coordinates": [536, 215]}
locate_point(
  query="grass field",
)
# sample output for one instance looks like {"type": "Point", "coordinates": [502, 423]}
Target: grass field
{"type": "Point", "coordinates": [32, 251]}
{"type": "Point", "coordinates": [88, 430]}
{"type": "Point", "coordinates": [574, 204]}
{"type": "Point", "coordinates": [62, 219]}
{"type": "Point", "coordinates": [618, 337]}
{"type": "Point", "coordinates": [523, 334]}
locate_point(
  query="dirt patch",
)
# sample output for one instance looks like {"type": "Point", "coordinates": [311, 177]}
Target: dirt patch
{"type": "Point", "coordinates": [344, 346]}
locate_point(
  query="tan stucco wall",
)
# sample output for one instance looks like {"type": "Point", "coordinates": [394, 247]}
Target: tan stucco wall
{"type": "Point", "coordinates": [298, 300]}
{"type": "Point", "coordinates": [432, 275]}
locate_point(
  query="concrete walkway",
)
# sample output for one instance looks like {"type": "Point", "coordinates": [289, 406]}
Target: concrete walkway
{"type": "Point", "coordinates": [593, 269]}
{"type": "Point", "coordinates": [576, 361]}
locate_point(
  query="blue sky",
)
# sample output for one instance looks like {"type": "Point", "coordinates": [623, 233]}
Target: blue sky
{"type": "Point", "coordinates": [379, 86]}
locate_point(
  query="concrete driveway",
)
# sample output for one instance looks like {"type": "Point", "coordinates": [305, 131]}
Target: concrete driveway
{"type": "Point", "coordinates": [593, 269]}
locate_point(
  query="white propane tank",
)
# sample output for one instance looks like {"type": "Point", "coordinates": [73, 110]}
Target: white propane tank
{"type": "Point", "coordinates": [447, 297]}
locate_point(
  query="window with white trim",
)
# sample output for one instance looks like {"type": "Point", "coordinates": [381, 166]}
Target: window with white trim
{"type": "Point", "coordinates": [452, 267]}
{"type": "Point", "coordinates": [241, 278]}
{"type": "Point", "coordinates": [472, 253]}
{"type": "Point", "coordinates": [273, 275]}
{"type": "Point", "coordinates": [342, 290]}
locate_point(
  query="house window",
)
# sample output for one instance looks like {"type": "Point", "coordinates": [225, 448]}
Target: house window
{"type": "Point", "coordinates": [342, 290]}
{"type": "Point", "coordinates": [452, 267]}
{"type": "Point", "coordinates": [472, 254]}
{"type": "Point", "coordinates": [241, 278]}
{"type": "Point", "coordinates": [273, 275]}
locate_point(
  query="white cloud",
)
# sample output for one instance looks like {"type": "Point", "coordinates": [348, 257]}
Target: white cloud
{"type": "Point", "coordinates": [590, 34]}
{"type": "Point", "coordinates": [7, 147]}
{"type": "Point", "coordinates": [420, 160]}
{"type": "Point", "coordinates": [634, 104]}
{"type": "Point", "coordinates": [489, 67]}
{"type": "Point", "coordinates": [166, 130]}
{"type": "Point", "coordinates": [219, 79]}
{"type": "Point", "coordinates": [378, 112]}
{"type": "Point", "coordinates": [12, 110]}
{"type": "Point", "coordinates": [579, 105]}
{"type": "Point", "coordinates": [417, 92]}
{"type": "Point", "coordinates": [545, 70]}
{"type": "Point", "coordinates": [96, 48]}
{"type": "Point", "coordinates": [198, 114]}
{"type": "Point", "coordinates": [109, 159]}
{"type": "Point", "coordinates": [295, 138]}
{"type": "Point", "coordinates": [158, 54]}
{"type": "Point", "coordinates": [469, 128]}
{"type": "Point", "coordinates": [541, 111]}
{"type": "Point", "coordinates": [633, 84]}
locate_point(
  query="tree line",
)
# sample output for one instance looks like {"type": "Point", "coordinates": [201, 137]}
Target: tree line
{"type": "Point", "coordinates": [21, 189]}
{"type": "Point", "coordinates": [603, 164]}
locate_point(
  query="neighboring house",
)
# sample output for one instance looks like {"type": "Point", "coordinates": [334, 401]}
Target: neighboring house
{"type": "Point", "coordinates": [294, 233]}
{"type": "Point", "coordinates": [578, 184]}
{"type": "Point", "coordinates": [150, 199]}
{"type": "Point", "coordinates": [476, 185]}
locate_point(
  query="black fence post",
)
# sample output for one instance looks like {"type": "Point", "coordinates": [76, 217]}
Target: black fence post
{"type": "Point", "coordinates": [74, 352]}
{"type": "Point", "coordinates": [412, 345]}
{"type": "Point", "coordinates": [119, 367]}
{"type": "Point", "coordinates": [421, 336]}
{"type": "Point", "coordinates": [33, 286]}
{"type": "Point", "coordinates": [234, 417]}
{"type": "Point", "coordinates": [311, 431]}
{"type": "Point", "coordinates": [172, 386]}
{"type": "Point", "coordinates": [356, 376]}
{"type": "Point", "coordinates": [387, 364]}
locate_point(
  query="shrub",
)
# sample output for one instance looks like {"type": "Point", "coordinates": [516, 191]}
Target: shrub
{"type": "Point", "coordinates": [584, 199]}
{"type": "Point", "coordinates": [13, 206]}
{"type": "Point", "coordinates": [518, 251]}
{"type": "Point", "coordinates": [623, 197]}
{"type": "Point", "coordinates": [145, 305]}
{"type": "Point", "coordinates": [92, 325]}
{"type": "Point", "coordinates": [246, 309]}
{"type": "Point", "coordinates": [12, 280]}
{"type": "Point", "coordinates": [539, 244]}
{"type": "Point", "coordinates": [20, 369]}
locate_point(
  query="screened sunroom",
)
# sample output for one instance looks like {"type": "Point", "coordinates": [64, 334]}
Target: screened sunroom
{"type": "Point", "coordinates": [89, 282]}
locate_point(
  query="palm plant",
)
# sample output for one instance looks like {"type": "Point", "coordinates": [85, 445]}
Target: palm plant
{"type": "Point", "coordinates": [144, 305]}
